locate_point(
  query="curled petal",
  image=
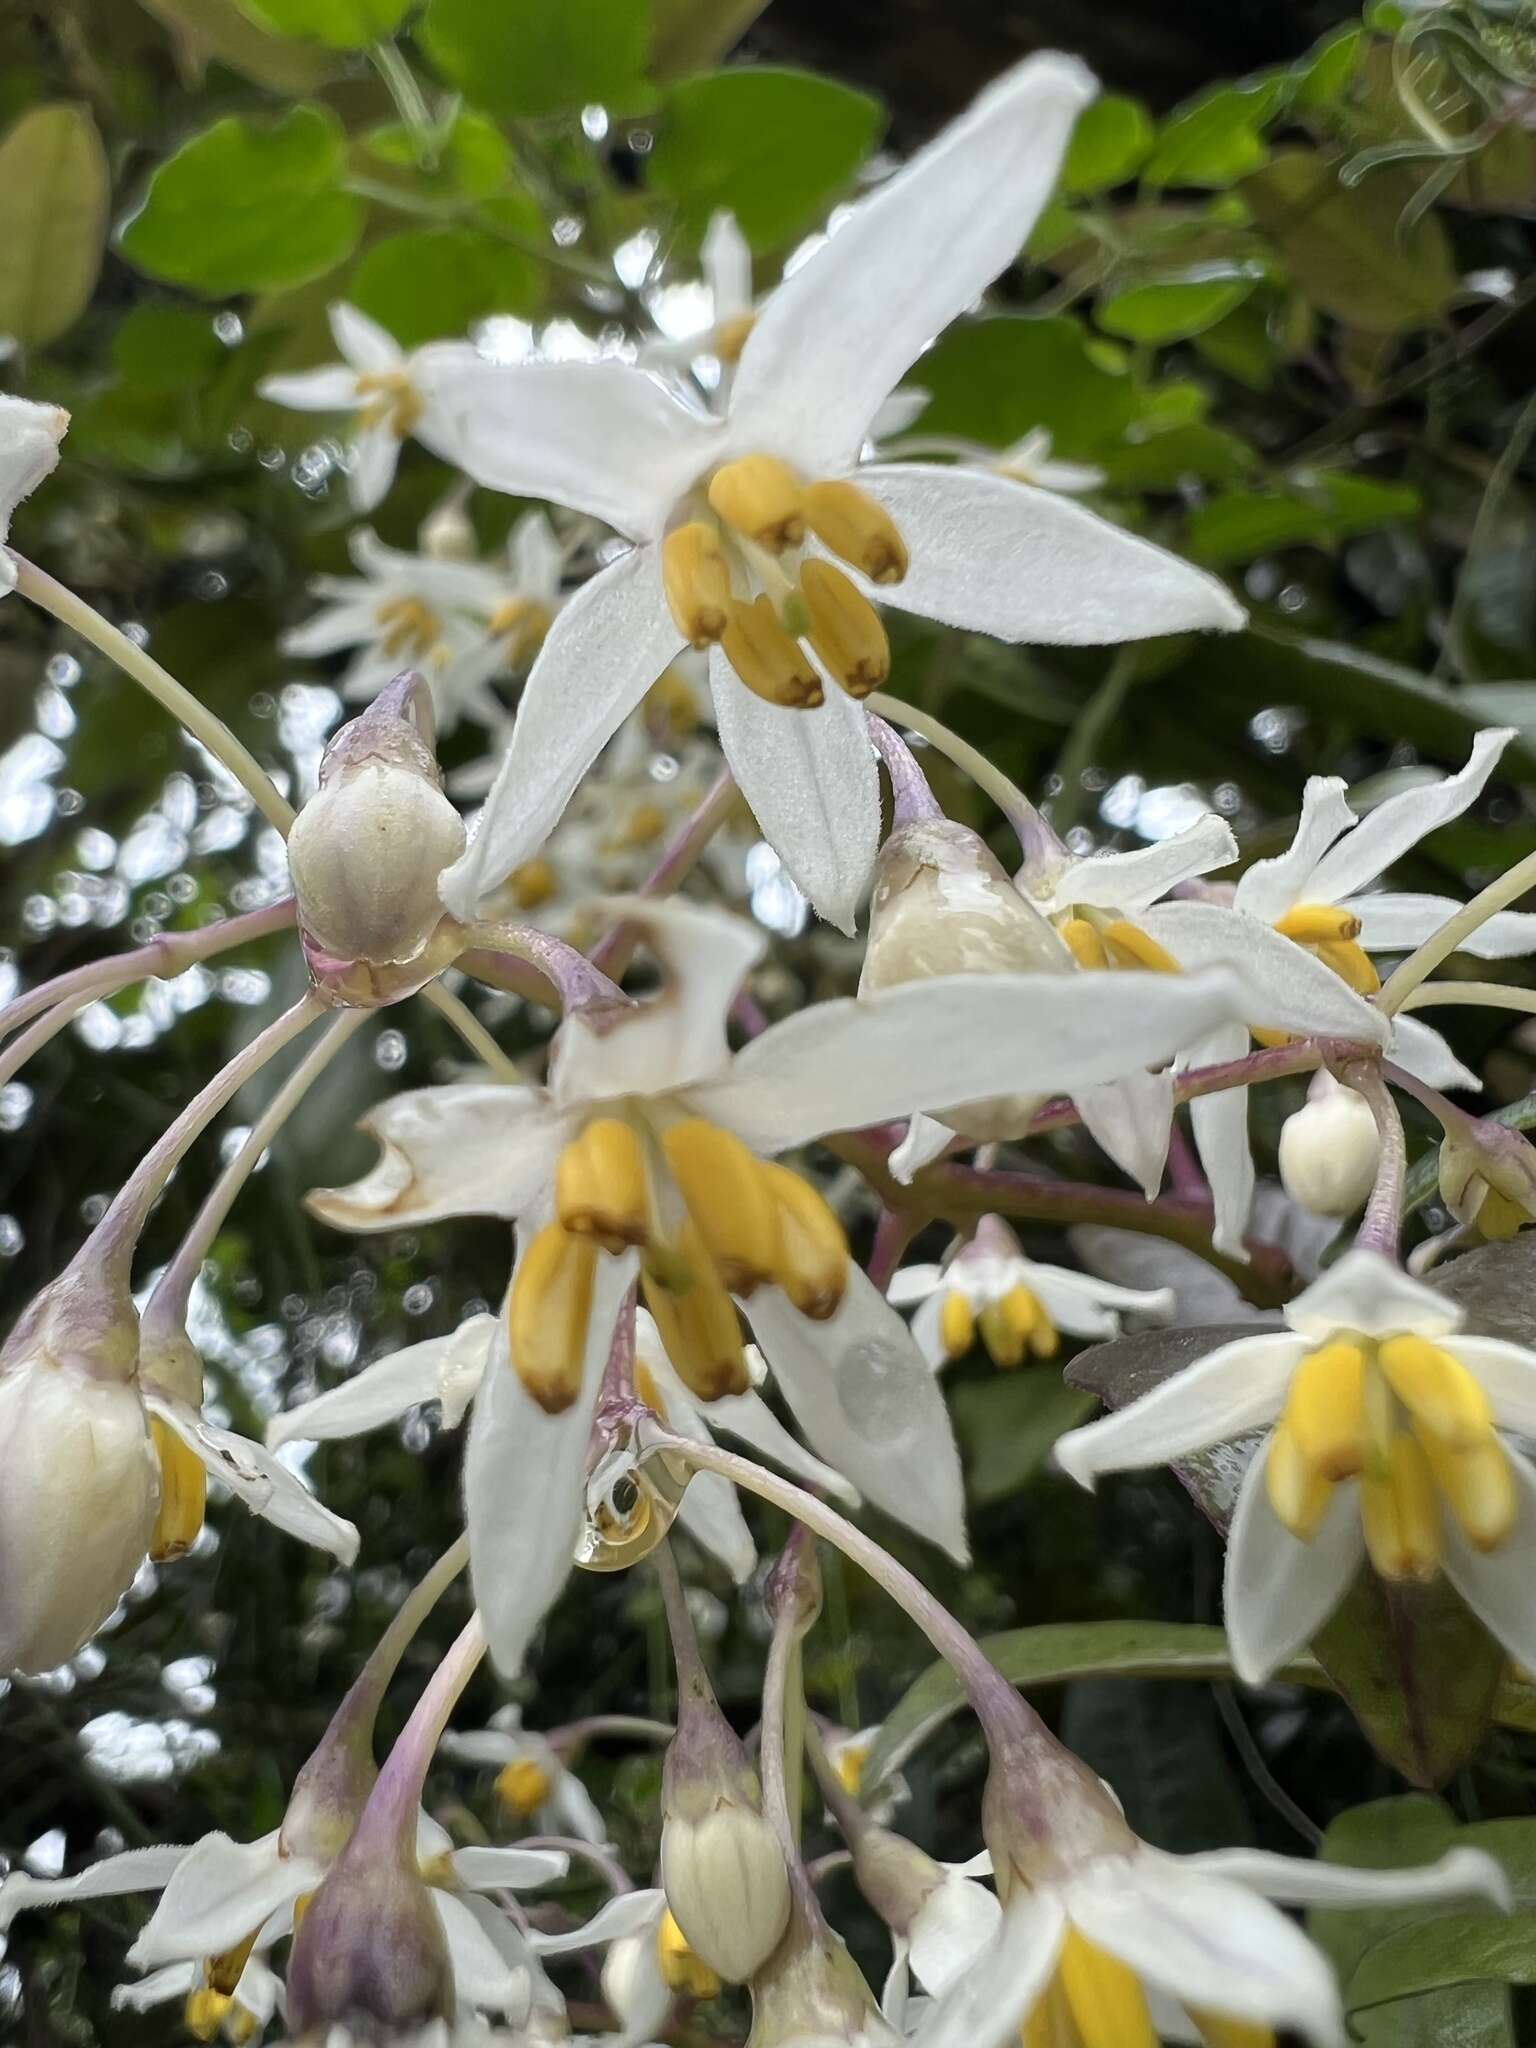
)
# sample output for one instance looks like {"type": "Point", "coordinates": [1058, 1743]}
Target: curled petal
{"type": "Point", "coordinates": [268, 1488]}
{"type": "Point", "coordinates": [1238, 1387]}
{"type": "Point", "coordinates": [1270, 888]}
{"type": "Point", "coordinates": [470, 1149]}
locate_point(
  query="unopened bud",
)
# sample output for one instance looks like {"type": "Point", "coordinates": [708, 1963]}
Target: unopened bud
{"type": "Point", "coordinates": [1329, 1150]}
{"type": "Point", "coordinates": [366, 851]}
{"type": "Point", "coordinates": [448, 533]}
{"type": "Point", "coordinates": [811, 1991]}
{"type": "Point", "coordinates": [894, 1875]}
{"type": "Point", "coordinates": [370, 1954]}
{"type": "Point", "coordinates": [1488, 1178]}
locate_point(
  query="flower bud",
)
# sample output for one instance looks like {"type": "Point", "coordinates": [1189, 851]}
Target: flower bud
{"type": "Point", "coordinates": [31, 434]}
{"type": "Point", "coordinates": [370, 1954]}
{"type": "Point", "coordinates": [1488, 1177]}
{"type": "Point", "coordinates": [811, 1991]}
{"type": "Point", "coordinates": [727, 1885]}
{"type": "Point", "coordinates": [448, 533]}
{"type": "Point", "coordinates": [366, 851]}
{"type": "Point", "coordinates": [894, 1875]}
{"type": "Point", "coordinates": [1329, 1149]}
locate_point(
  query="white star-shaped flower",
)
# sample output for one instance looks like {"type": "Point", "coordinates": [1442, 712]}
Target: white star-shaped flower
{"type": "Point", "coordinates": [29, 451]}
{"type": "Point", "coordinates": [758, 533]}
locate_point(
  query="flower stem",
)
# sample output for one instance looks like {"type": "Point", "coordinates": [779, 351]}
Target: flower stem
{"type": "Point", "coordinates": [1381, 1226]}
{"type": "Point", "coordinates": [1483, 995]}
{"type": "Point", "coordinates": [911, 798]}
{"type": "Point", "coordinates": [677, 862]}
{"type": "Point", "coordinates": [47, 1027]}
{"type": "Point", "coordinates": [1455, 932]}
{"type": "Point", "coordinates": [1035, 835]}
{"type": "Point", "coordinates": [474, 1034]}
{"type": "Point", "coordinates": [388, 1823]}
{"type": "Point", "coordinates": [205, 726]}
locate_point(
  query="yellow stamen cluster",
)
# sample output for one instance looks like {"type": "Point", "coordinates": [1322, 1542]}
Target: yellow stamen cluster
{"type": "Point", "coordinates": [523, 623]}
{"type": "Point", "coordinates": [1096, 2001]}
{"type": "Point", "coordinates": [681, 1970]}
{"type": "Point", "coordinates": [183, 1495]}
{"type": "Point", "coordinates": [709, 1219]}
{"type": "Point", "coordinates": [722, 588]}
{"type": "Point", "coordinates": [533, 884]}
{"type": "Point", "coordinates": [851, 1760]}
{"type": "Point", "coordinates": [1334, 936]}
{"type": "Point", "coordinates": [522, 1788]}
{"type": "Point", "coordinates": [1098, 942]}
{"type": "Point", "coordinates": [1411, 1423]}
{"type": "Point", "coordinates": [410, 629]}
{"type": "Point", "coordinates": [205, 2011]}
{"type": "Point", "coordinates": [1016, 1325]}
{"type": "Point", "coordinates": [391, 400]}
{"type": "Point", "coordinates": [225, 1971]}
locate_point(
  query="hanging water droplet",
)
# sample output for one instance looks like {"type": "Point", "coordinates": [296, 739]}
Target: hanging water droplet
{"type": "Point", "coordinates": [390, 1051]}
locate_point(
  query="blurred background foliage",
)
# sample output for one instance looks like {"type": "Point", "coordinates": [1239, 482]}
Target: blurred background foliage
{"type": "Point", "coordinates": [1284, 301]}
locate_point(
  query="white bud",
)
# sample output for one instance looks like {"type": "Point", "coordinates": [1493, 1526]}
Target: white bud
{"type": "Point", "coordinates": [448, 533]}
{"type": "Point", "coordinates": [1329, 1150]}
{"type": "Point", "coordinates": [77, 1505]}
{"type": "Point", "coordinates": [29, 450]}
{"type": "Point", "coordinates": [728, 1887]}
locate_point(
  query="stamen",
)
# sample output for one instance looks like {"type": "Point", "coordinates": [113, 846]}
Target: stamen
{"type": "Point", "coordinates": [523, 623]}
{"type": "Point", "coordinates": [644, 825]}
{"type": "Point", "coordinates": [532, 884]}
{"type": "Point", "coordinates": [1131, 947]}
{"type": "Point", "coordinates": [844, 629]}
{"type": "Point", "coordinates": [850, 523]}
{"type": "Point", "coordinates": [759, 496]}
{"type": "Point", "coordinates": [411, 627]}
{"type": "Point", "coordinates": [957, 1324]}
{"type": "Point", "coordinates": [1312, 924]}
{"type": "Point", "coordinates": [1477, 1486]}
{"type": "Point", "coordinates": [730, 338]}
{"type": "Point", "coordinates": [522, 1787]}
{"type": "Point", "coordinates": [241, 2026]}
{"type": "Point", "coordinates": [766, 659]}
{"type": "Point", "coordinates": [225, 1971]}
{"type": "Point", "coordinates": [681, 1969]}
{"type": "Point", "coordinates": [1084, 943]}
{"type": "Point", "coordinates": [547, 1313]}
{"type": "Point", "coordinates": [392, 401]}
{"type": "Point", "coordinates": [1438, 1391]}
{"type": "Point", "coordinates": [600, 1186]}
{"type": "Point", "coordinates": [1325, 1410]}
{"type": "Point", "coordinates": [813, 1252]}
{"type": "Point", "coordinates": [697, 581]}
{"type": "Point", "coordinates": [1008, 1328]}
{"type": "Point", "coordinates": [1107, 2001]}
{"type": "Point", "coordinates": [1297, 1492]}
{"type": "Point", "coordinates": [183, 1496]}
{"type": "Point", "coordinates": [203, 2014]}
{"type": "Point", "coordinates": [731, 1203]}
{"type": "Point", "coordinates": [697, 1320]}
{"type": "Point", "coordinates": [1217, 2031]}
{"type": "Point", "coordinates": [1401, 1514]}
{"type": "Point", "coordinates": [1352, 964]}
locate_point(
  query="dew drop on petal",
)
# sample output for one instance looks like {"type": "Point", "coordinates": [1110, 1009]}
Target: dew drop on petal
{"type": "Point", "coordinates": [874, 1382]}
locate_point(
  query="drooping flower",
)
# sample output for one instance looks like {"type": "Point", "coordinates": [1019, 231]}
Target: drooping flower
{"type": "Point", "coordinates": [1016, 1306]}
{"type": "Point", "coordinates": [757, 533]}
{"type": "Point", "coordinates": [29, 451]}
{"type": "Point", "coordinates": [646, 1151]}
{"type": "Point", "coordinates": [1387, 1433]}
{"type": "Point", "coordinates": [394, 394]}
{"type": "Point", "coordinates": [534, 1782]}
{"type": "Point", "coordinates": [240, 2017]}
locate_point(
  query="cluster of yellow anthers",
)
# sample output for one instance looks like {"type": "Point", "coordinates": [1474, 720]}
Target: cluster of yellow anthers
{"type": "Point", "coordinates": [211, 2012]}
{"type": "Point", "coordinates": [681, 1969]}
{"type": "Point", "coordinates": [735, 575]}
{"type": "Point", "coordinates": [1013, 1328]}
{"type": "Point", "coordinates": [1411, 1423]}
{"type": "Point", "coordinates": [709, 1220]}
{"type": "Point", "coordinates": [392, 401]}
{"type": "Point", "coordinates": [183, 1495]}
{"type": "Point", "coordinates": [1096, 940]}
{"type": "Point", "coordinates": [1095, 2001]}
{"type": "Point", "coordinates": [1333, 935]}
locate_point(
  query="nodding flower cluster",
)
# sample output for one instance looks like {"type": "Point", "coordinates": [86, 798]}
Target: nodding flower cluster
{"type": "Point", "coordinates": [684, 1268]}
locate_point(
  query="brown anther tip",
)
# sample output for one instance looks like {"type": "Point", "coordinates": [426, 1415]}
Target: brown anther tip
{"type": "Point", "coordinates": [554, 1400]}
{"type": "Point", "coordinates": [881, 566]}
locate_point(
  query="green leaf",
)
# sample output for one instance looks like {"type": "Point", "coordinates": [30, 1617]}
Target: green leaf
{"type": "Point", "coordinates": [993, 380]}
{"type": "Point", "coordinates": [1007, 1425]}
{"type": "Point", "coordinates": [775, 147]}
{"type": "Point", "coordinates": [474, 157]}
{"type": "Point", "coordinates": [204, 29]}
{"type": "Point", "coordinates": [1347, 248]}
{"type": "Point", "coordinates": [1109, 144]}
{"type": "Point", "coordinates": [435, 281]}
{"type": "Point", "coordinates": [1459, 1949]}
{"type": "Point", "coordinates": [524, 57]}
{"type": "Point", "coordinates": [167, 348]}
{"type": "Point", "coordinates": [243, 207]}
{"type": "Point", "coordinates": [1172, 310]}
{"type": "Point", "coordinates": [1332, 507]}
{"type": "Point", "coordinates": [339, 24]}
{"type": "Point", "coordinates": [1329, 72]}
{"type": "Point", "coordinates": [1215, 142]}
{"type": "Point", "coordinates": [1164, 1752]}
{"type": "Point", "coordinates": [54, 193]}
{"type": "Point", "coordinates": [1164, 461]}
{"type": "Point", "coordinates": [1241, 345]}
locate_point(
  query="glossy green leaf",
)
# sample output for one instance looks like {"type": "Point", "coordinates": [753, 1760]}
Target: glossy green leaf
{"type": "Point", "coordinates": [1241, 345]}
{"type": "Point", "coordinates": [1214, 142]}
{"type": "Point", "coordinates": [993, 380]}
{"type": "Point", "coordinates": [526, 57]}
{"type": "Point", "coordinates": [222, 30]}
{"type": "Point", "coordinates": [1164, 460]}
{"type": "Point", "coordinates": [693, 34]}
{"type": "Point", "coordinates": [248, 207]}
{"type": "Point", "coordinates": [339, 24]}
{"type": "Point", "coordinates": [432, 282]}
{"type": "Point", "coordinates": [1007, 1425]}
{"type": "Point", "coordinates": [1172, 311]}
{"type": "Point", "coordinates": [167, 348]}
{"type": "Point", "coordinates": [1328, 73]}
{"type": "Point", "coordinates": [54, 194]}
{"type": "Point", "coordinates": [774, 147]}
{"type": "Point", "coordinates": [1109, 144]}
{"type": "Point", "coordinates": [1459, 1949]}
{"type": "Point", "coordinates": [1333, 507]}
{"type": "Point", "coordinates": [474, 158]}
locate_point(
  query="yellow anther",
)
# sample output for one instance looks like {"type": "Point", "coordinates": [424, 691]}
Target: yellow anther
{"type": "Point", "coordinates": [1325, 1409]}
{"type": "Point", "coordinates": [392, 401]}
{"type": "Point", "coordinates": [1313, 924]}
{"type": "Point", "coordinates": [1107, 2001]}
{"type": "Point", "coordinates": [1084, 944]}
{"type": "Point", "coordinates": [410, 627]}
{"type": "Point", "coordinates": [849, 1765]}
{"type": "Point", "coordinates": [644, 825]}
{"type": "Point", "coordinates": [672, 706]}
{"type": "Point", "coordinates": [957, 1324]}
{"type": "Point", "coordinates": [1297, 1492]}
{"type": "Point", "coordinates": [183, 1494]}
{"type": "Point", "coordinates": [1438, 1391]}
{"type": "Point", "coordinates": [730, 338]}
{"type": "Point", "coordinates": [601, 1189]}
{"type": "Point", "coordinates": [850, 523]}
{"type": "Point", "coordinates": [1400, 1512]}
{"type": "Point", "coordinates": [532, 884]}
{"type": "Point", "coordinates": [547, 1313]}
{"type": "Point", "coordinates": [766, 659]}
{"type": "Point", "coordinates": [522, 1787]}
{"type": "Point", "coordinates": [697, 1320]}
{"type": "Point", "coordinates": [647, 1390]}
{"type": "Point", "coordinates": [1129, 946]}
{"type": "Point", "coordinates": [697, 580]}
{"type": "Point", "coordinates": [1217, 2031]}
{"type": "Point", "coordinates": [241, 2026]}
{"type": "Point", "coordinates": [1499, 1217]}
{"type": "Point", "coordinates": [203, 2014]}
{"type": "Point", "coordinates": [759, 496]}
{"type": "Point", "coordinates": [1352, 964]}
{"type": "Point", "coordinates": [301, 1906]}
{"type": "Point", "coordinates": [1477, 1486]}
{"type": "Point", "coordinates": [813, 1252]}
{"type": "Point", "coordinates": [1051, 2024]}
{"type": "Point", "coordinates": [225, 1971]}
{"type": "Point", "coordinates": [730, 1200]}
{"type": "Point", "coordinates": [523, 622]}
{"type": "Point", "coordinates": [681, 1970]}
{"type": "Point", "coordinates": [1008, 1327]}
{"type": "Point", "coordinates": [1044, 1339]}
{"type": "Point", "coordinates": [845, 629]}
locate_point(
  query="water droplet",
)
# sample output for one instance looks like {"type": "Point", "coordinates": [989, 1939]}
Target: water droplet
{"type": "Point", "coordinates": [390, 1051]}
{"type": "Point", "coordinates": [875, 1380]}
{"type": "Point", "coordinates": [418, 1299]}
{"type": "Point", "coordinates": [229, 328]}
{"type": "Point", "coordinates": [12, 1237]}
{"type": "Point", "coordinates": [62, 670]}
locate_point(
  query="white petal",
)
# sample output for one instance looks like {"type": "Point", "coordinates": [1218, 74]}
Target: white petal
{"type": "Point", "coordinates": [363, 342]}
{"type": "Point", "coordinates": [1507, 1375]}
{"type": "Point", "coordinates": [338, 626]}
{"type": "Point", "coordinates": [439, 1368]}
{"type": "Point", "coordinates": [1395, 922]}
{"type": "Point", "coordinates": [490, 1746]}
{"type": "Point", "coordinates": [220, 1891]}
{"type": "Point", "coordinates": [935, 1045]}
{"type": "Point", "coordinates": [993, 556]}
{"type": "Point", "coordinates": [1301, 1881]}
{"type": "Point", "coordinates": [953, 1925]}
{"type": "Point", "coordinates": [997, 1993]}
{"type": "Point", "coordinates": [333, 389]}
{"type": "Point", "coordinates": [864, 1396]}
{"type": "Point", "coordinates": [374, 456]}
{"type": "Point", "coordinates": [1211, 1945]}
{"type": "Point", "coordinates": [1365, 1292]}
{"type": "Point", "coordinates": [1420, 1049]}
{"type": "Point", "coordinates": [473, 1148]}
{"type": "Point", "coordinates": [914, 1284]}
{"type": "Point", "coordinates": [1272, 887]}
{"type": "Point", "coordinates": [926, 1140]}
{"type": "Point", "coordinates": [523, 1474]}
{"type": "Point", "coordinates": [494, 1870]}
{"type": "Point", "coordinates": [1058, 1284]}
{"type": "Point", "coordinates": [1387, 833]}
{"type": "Point", "coordinates": [629, 1913]}
{"type": "Point", "coordinates": [1279, 1591]}
{"type": "Point", "coordinates": [1131, 1119]}
{"type": "Point", "coordinates": [726, 262]}
{"type": "Point", "coordinates": [1496, 1584]}
{"type": "Point", "coordinates": [1288, 988]}
{"type": "Point", "coordinates": [575, 1809]}
{"type": "Point", "coordinates": [603, 438]}
{"type": "Point", "coordinates": [1130, 881]}
{"type": "Point", "coordinates": [135, 1870]}
{"type": "Point", "coordinates": [1239, 1386]}
{"type": "Point", "coordinates": [601, 655]}
{"type": "Point", "coordinates": [839, 332]}
{"type": "Point", "coordinates": [29, 450]}
{"type": "Point", "coordinates": [813, 785]}
{"type": "Point", "coordinates": [158, 1988]}
{"type": "Point", "coordinates": [1220, 1124]}
{"type": "Point", "coordinates": [483, 1977]}
{"type": "Point", "coordinates": [749, 1419]}
{"type": "Point", "coordinates": [257, 1479]}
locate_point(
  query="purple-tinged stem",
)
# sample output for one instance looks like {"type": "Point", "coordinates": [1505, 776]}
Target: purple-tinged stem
{"type": "Point", "coordinates": [894, 1231]}
{"type": "Point", "coordinates": [1381, 1225]}
{"type": "Point", "coordinates": [912, 801]}
{"type": "Point", "coordinates": [388, 1824]}
{"type": "Point", "coordinates": [678, 860]}
{"type": "Point", "coordinates": [577, 982]}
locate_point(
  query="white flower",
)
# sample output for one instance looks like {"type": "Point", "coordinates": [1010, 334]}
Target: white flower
{"type": "Point", "coordinates": [29, 451]}
{"type": "Point", "coordinates": [1029, 461]}
{"type": "Point", "coordinates": [1383, 1424]}
{"type": "Point", "coordinates": [726, 263]}
{"type": "Point", "coordinates": [533, 1781]}
{"type": "Point", "coordinates": [393, 394]}
{"type": "Point", "coordinates": [650, 1134]}
{"type": "Point", "coordinates": [1018, 1305]}
{"type": "Point", "coordinates": [242, 2015]}
{"type": "Point", "coordinates": [737, 519]}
